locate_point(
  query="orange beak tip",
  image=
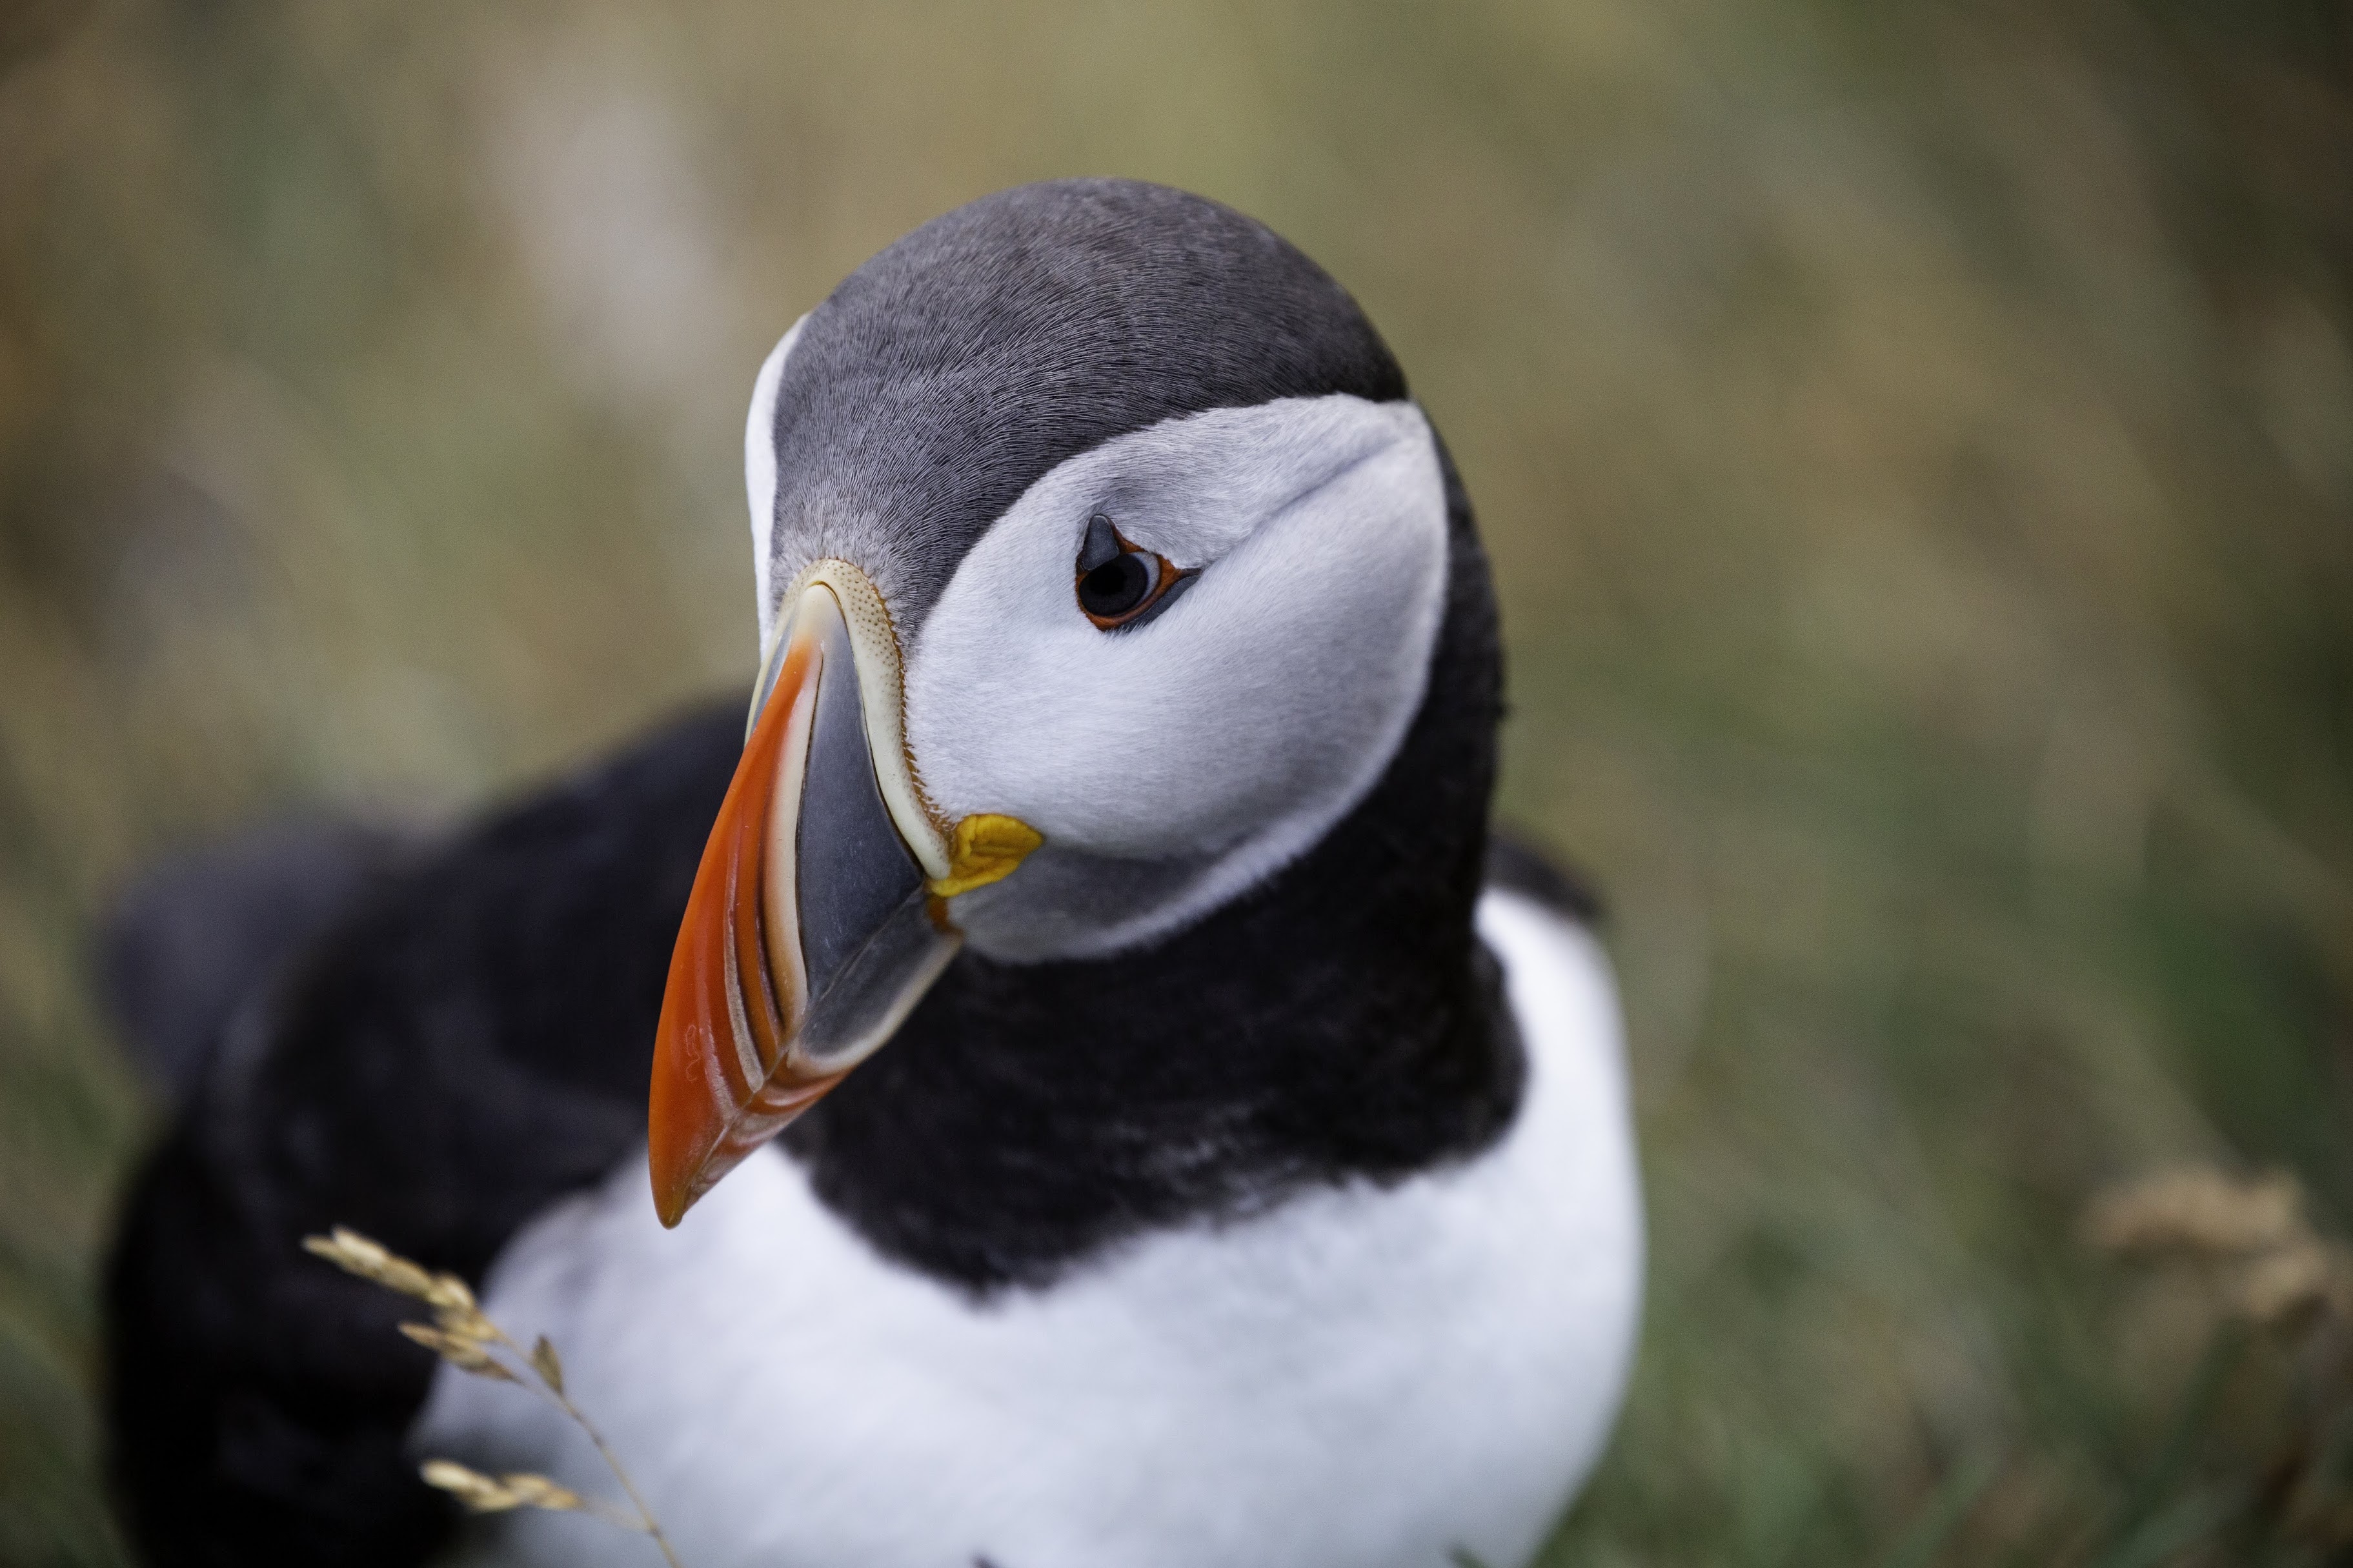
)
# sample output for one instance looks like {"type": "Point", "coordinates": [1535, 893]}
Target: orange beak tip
{"type": "Point", "coordinates": [750, 1035]}
{"type": "Point", "coordinates": [672, 1197]}
{"type": "Point", "coordinates": [684, 1124]}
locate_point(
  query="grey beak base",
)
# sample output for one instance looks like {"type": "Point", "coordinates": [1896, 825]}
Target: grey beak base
{"type": "Point", "coordinates": [869, 942]}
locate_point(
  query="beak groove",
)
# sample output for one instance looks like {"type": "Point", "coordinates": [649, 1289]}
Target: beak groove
{"type": "Point", "coordinates": [811, 926]}
{"type": "Point", "coordinates": [724, 1080]}
{"type": "Point", "coordinates": [818, 916]}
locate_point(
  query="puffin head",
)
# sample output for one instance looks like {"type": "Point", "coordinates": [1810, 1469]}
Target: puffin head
{"type": "Point", "coordinates": [1101, 558]}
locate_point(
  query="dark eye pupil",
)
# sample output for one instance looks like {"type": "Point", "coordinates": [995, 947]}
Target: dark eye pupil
{"type": "Point", "coordinates": [1115, 587]}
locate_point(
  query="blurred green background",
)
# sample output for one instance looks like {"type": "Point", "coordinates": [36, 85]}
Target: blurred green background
{"type": "Point", "coordinates": [1915, 438]}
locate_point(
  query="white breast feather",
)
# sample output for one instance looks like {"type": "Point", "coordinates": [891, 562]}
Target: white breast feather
{"type": "Point", "coordinates": [1361, 1378]}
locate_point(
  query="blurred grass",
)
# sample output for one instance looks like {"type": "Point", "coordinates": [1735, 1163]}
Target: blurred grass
{"type": "Point", "coordinates": [1916, 444]}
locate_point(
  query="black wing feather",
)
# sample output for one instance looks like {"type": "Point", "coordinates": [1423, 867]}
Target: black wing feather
{"type": "Point", "coordinates": [467, 1043]}
{"type": "Point", "coordinates": [199, 931]}
{"type": "Point", "coordinates": [1515, 866]}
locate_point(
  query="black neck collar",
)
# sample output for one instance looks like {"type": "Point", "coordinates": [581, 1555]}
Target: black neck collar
{"type": "Point", "coordinates": [1340, 1023]}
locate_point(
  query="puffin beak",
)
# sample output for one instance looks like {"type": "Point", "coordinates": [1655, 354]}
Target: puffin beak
{"type": "Point", "coordinates": [819, 913]}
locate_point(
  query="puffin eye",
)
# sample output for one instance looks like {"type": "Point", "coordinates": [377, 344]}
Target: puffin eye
{"type": "Point", "coordinates": [1120, 583]}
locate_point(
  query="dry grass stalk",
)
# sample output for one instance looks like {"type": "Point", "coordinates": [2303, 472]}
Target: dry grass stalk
{"type": "Point", "coordinates": [2195, 1208]}
{"type": "Point", "coordinates": [496, 1494]}
{"type": "Point", "coordinates": [2251, 1238]}
{"type": "Point", "coordinates": [465, 1354]}
{"type": "Point", "coordinates": [462, 1334]}
{"type": "Point", "coordinates": [522, 1488]}
{"type": "Point", "coordinates": [2276, 1269]}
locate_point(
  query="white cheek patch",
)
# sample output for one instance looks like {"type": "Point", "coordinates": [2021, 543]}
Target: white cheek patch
{"type": "Point", "coordinates": [1214, 744]}
{"type": "Point", "coordinates": [760, 469]}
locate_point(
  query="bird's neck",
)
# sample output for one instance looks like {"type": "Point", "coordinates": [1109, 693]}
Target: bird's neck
{"type": "Point", "coordinates": [1340, 1023]}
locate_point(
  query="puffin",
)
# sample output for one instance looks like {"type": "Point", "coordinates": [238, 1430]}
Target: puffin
{"type": "Point", "coordinates": [1072, 1080]}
